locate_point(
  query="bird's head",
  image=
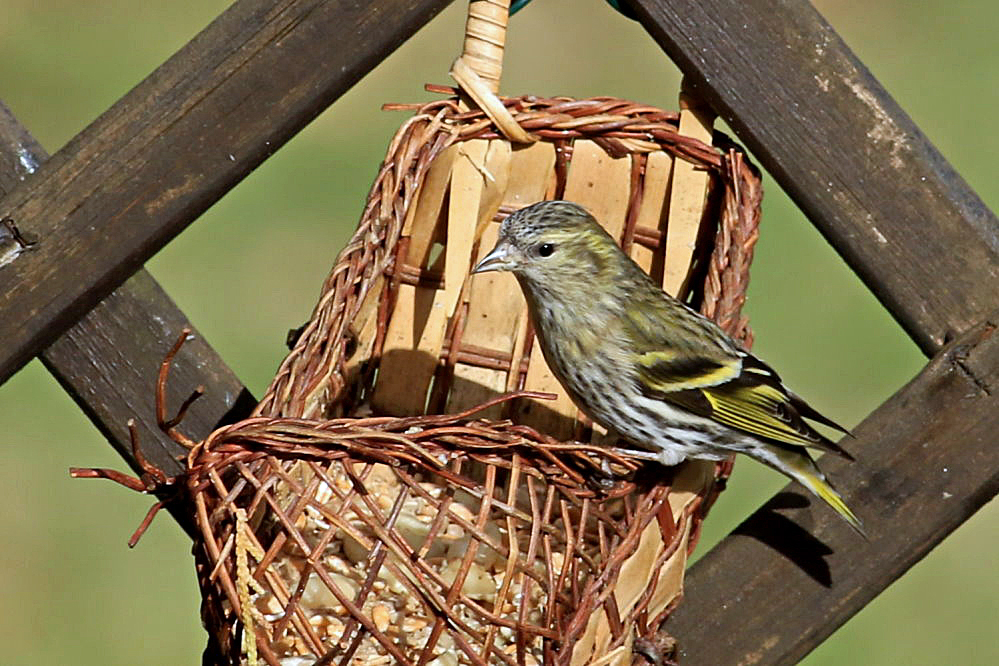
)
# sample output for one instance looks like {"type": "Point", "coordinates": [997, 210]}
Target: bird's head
{"type": "Point", "coordinates": [553, 243]}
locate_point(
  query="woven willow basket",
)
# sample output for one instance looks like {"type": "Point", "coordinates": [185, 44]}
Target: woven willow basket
{"type": "Point", "coordinates": [348, 522]}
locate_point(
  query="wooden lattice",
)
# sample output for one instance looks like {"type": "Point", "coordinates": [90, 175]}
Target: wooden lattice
{"type": "Point", "coordinates": [770, 100]}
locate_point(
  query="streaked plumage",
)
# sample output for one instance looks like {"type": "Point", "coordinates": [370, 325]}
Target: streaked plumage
{"type": "Point", "coordinates": [642, 363]}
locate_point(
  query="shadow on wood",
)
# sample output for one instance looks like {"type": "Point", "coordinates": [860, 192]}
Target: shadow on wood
{"type": "Point", "coordinates": [787, 538]}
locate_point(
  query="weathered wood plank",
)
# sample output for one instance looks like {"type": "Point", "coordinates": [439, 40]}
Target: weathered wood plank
{"type": "Point", "coordinates": [789, 575]}
{"type": "Point", "coordinates": [177, 142]}
{"type": "Point", "coordinates": [109, 360]}
{"type": "Point", "coordinates": [841, 147]}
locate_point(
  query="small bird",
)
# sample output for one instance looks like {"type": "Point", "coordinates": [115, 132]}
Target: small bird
{"type": "Point", "coordinates": [640, 362]}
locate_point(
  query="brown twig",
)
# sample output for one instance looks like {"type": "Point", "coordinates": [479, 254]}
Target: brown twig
{"type": "Point", "coordinates": [169, 425]}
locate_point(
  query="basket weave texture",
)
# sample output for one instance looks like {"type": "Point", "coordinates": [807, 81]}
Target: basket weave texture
{"type": "Point", "coordinates": [332, 533]}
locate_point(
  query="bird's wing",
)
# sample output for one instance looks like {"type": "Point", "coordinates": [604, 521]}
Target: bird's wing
{"type": "Point", "coordinates": [741, 392]}
{"type": "Point", "coordinates": [668, 370]}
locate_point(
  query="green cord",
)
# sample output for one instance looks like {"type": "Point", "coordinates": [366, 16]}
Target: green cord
{"type": "Point", "coordinates": [625, 10]}
{"type": "Point", "coordinates": [517, 5]}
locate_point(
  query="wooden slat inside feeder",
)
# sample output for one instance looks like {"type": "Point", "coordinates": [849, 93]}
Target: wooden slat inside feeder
{"type": "Point", "coordinates": [653, 212]}
{"type": "Point", "coordinates": [686, 206]}
{"type": "Point", "coordinates": [489, 315]}
{"type": "Point", "coordinates": [492, 321]}
{"type": "Point", "coordinates": [416, 330]}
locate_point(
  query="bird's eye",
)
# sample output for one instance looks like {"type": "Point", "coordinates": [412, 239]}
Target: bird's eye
{"type": "Point", "coordinates": [545, 250]}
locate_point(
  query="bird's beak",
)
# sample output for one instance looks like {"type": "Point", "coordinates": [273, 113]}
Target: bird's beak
{"type": "Point", "coordinates": [497, 260]}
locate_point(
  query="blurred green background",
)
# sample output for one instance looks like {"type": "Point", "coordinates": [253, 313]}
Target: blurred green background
{"type": "Point", "coordinates": [72, 592]}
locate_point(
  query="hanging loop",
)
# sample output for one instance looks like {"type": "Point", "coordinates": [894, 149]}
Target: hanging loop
{"type": "Point", "coordinates": [485, 37]}
{"type": "Point", "coordinates": [477, 70]}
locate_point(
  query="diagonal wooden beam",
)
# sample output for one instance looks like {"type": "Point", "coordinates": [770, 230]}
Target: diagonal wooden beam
{"type": "Point", "coordinates": [787, 577]}
{"type": "Point", "coordinates": [108, 360]}
{"type": "Point", "coordinates": [844, 151]}
{"type": "Point", "coordinates": [133, 179]}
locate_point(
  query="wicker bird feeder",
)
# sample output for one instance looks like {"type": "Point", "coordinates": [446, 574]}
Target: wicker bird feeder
{"type": "Point", "coordinates": [349, 522]}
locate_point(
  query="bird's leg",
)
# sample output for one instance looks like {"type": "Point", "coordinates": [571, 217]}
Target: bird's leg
{"type": "Point", "coordinates": [637, 453]}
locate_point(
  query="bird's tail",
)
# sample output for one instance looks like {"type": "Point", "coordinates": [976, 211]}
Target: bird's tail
{"type": "Point", "coordinates": [800, 467]}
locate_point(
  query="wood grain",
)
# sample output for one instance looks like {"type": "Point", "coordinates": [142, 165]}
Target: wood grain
{"type": "Point", "coordinates": [844, 151]}
{"type": "Point", "coordinates": [108, 361]}
{"type": "Point", "coordinates": [794, 571]}
{"type": "Point", "coordinates": [147, 167]}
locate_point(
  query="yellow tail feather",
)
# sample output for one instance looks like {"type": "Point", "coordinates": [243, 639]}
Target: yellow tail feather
{"type": "Point", "coordinates": [798, 465]}
{"type": "Point", "coordinates": [827, 493]}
